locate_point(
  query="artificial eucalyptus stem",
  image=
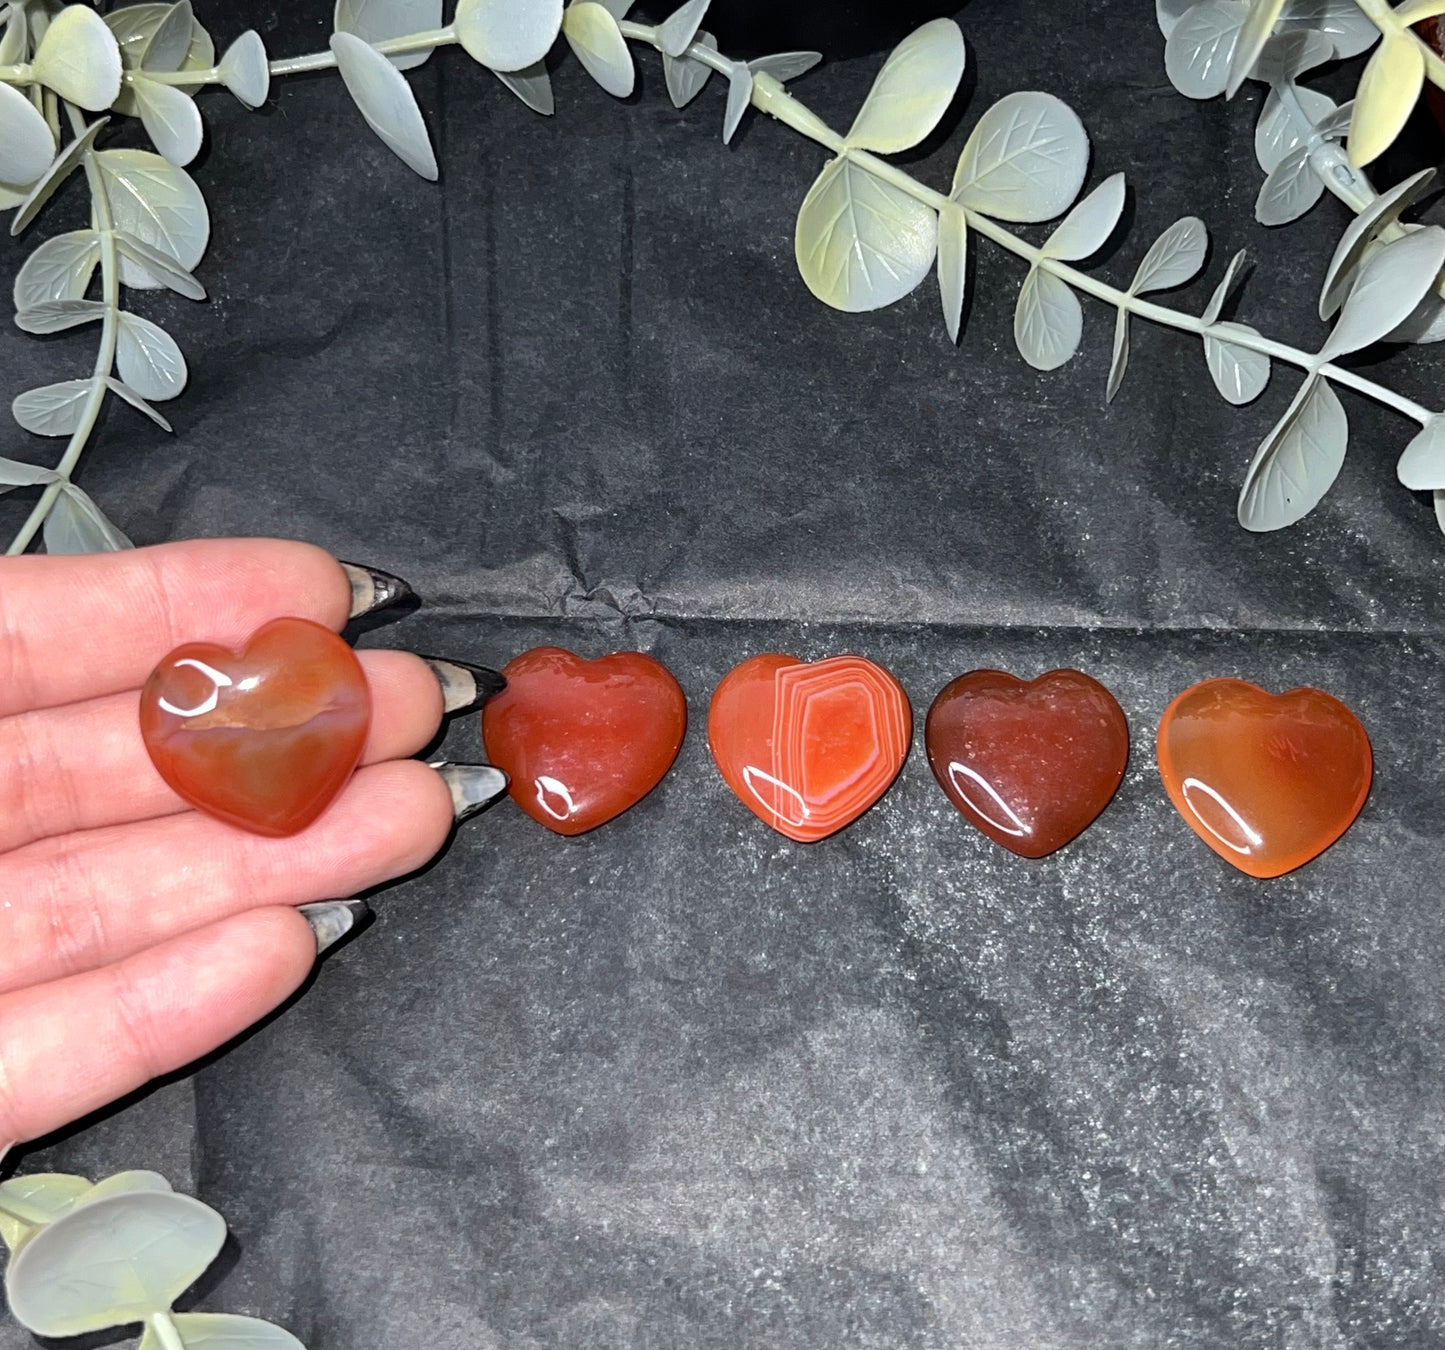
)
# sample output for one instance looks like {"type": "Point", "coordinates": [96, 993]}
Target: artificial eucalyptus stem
{"type": "Point", "coordinates": [104, 357]}
{"type": "Point", "coordinates": [165, 1331]}
{"type": "Point", "coordinates": [412, 42]}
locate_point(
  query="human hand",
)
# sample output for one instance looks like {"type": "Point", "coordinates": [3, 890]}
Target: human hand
{"type": "Point", "coordinates": [135, 933]}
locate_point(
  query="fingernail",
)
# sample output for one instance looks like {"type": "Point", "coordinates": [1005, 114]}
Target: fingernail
{"type": "Point", "coordinates": [373, 589]}
{"type": "Point", "coordinates": [332, 920]}
{"type": "Point", "coordinates": [473, 786]}
{"type": "Point", "coordinates": [463, 684]}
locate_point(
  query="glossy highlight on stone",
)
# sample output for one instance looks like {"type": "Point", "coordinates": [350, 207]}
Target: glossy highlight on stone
{"type": "Point", "coordinates": [583, 740]}
{"type": "Point", "coordinates": [809, 747]}
{"type": "Point", "coordinates": [1030, 763]}
{"type": "Point", "coordinates": [263, 738]}
{"type": "Point", "coordinates": [1268, 781]}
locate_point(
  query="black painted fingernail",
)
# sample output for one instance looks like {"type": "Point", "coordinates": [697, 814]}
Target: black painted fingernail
{"type": "Point", "coordinates": [463, 684]}
{"type": "Point", "coordinates": [332, 920]}
{"type": "Point", "coordinates": [473, 786]}
{"type": "Point", "coordinates": [373, 589]}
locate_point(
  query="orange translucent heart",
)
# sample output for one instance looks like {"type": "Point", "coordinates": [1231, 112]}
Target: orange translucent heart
{"type": "Point", "coordinates": [809, 747]}
{"type": "Point", "coordinates": [583, 740]}
{"type": "Point", "coordinates": [263, 738]}
{"type": "Point", "coordinates": [1268, 781]}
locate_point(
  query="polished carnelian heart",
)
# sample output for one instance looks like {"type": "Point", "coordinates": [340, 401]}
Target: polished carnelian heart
{"type": "Point", "coordinates": [1030, 764]}
{"type": "Point", "coordinates": [263, 738]}
{"type": "Point", "coordinates": [583, 740]}
{"type": "Point", "coordinates": [809, 747]}
{"type": "Point", "coordinates": [1267, 781]}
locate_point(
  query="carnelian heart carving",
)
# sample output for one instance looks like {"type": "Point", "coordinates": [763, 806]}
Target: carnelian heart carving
{"type": "Point", "coordinates": [263, 738]}
{"type": "Point", "coordinates": [583, 740]}
{"type": "Point", "coordinates": [1267, 781]}
{"type": "Point", "coordinates": [1030, 764]}
{"type": "Point", "coordinates": [809, 747]}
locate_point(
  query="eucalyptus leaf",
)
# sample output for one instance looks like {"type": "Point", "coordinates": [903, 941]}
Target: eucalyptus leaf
{"type": "Point", "coordinates": [685, 77]}
{"type": "Point", "coordinates": [680, 27]}
{"type": "Point", "coordinates": [1342, 21]}
{"type": "Point", "coordinates": [740, 93]}
{"type": "Point", "coordinates": [1383, 211]}
{"type": "Point", "coordinates": [26, 145]}
{"type": "Point", "coordinates": [597, 41]}
{"type": "Point", "coordinates": [14, 474]}
{"type": "Point", "coordinates": [1119, 357]}
{"type": "Point", "coordinates": [14, 44]}
{"type": "Point", "coordinates": [1048, 322]}
{"type": "Point", "coordinates": [120, 1259]}
{"type": "Point", "coordinates": [1290, 190]}
{"type": "Point", "coordinates": [1426, 324]}
{"type": "Point", "coordinates": [785, 66]}
{"type": "Point", "coordinates": [1173, 258]}
{"type": "Point", "coordinates": [244, 69]}
{"type": "Point", "coordinates": [1239, 373]}
{"type": "Point", "coordinates": [1201, 46]}
{"type": "Point", "coordinates": [135, 28]}
{"type": "Point", "coordinates": [1415, 11]}
{"type": "Point", "coordinates": [508, 35]}
{"type": "Point", "coordinates": [171, 41]}
{"type": "Point", "coordinates": [1389, 285]}
{"type": "Point", "coordinates": [912, 91]}
{"type": "Point", "coordinates": [124, 1183]}
{"type": "Point", "coordinates": [1286, 56]}
{"type": "Point", "coordinates": [64, 164]}
{"type": "Point", "coordinates": [224, 1331]}
{"type": "Point", "coordinates": [617, 8]}
{"type": "Point", "coordinates": [60, 269]}
{"type": "Point", "coordinates": [158, 203]}
{"type": "Point", "coordinates": [78, 58]}
{"type": "Point", "coordinates": [861, 243]}
{"type": "Point", "coordinates": [385, 100]}
{"type": "Point", "coordinates": [170, 117]}
{"type": "Point", "coordinates": [148, 359]}
{"type": "Point", "coordinates": [1253, 34]}
{"type": "Point", "coordinates": [1277, 132]}
{"type": "Point", "coordinates": [53, 409]}
{"type": "Point", "coordinates": [161, 266]}
{"type": "Point", "coordinates": [51, 1192]}
{"type": "Point", "coordinates": [1387, 94]}
{"type": "Point", "coordinates": [1440, 509]}
{"type": "Point", "coordinates": [1169, 12]}
{"type": "Point", "coordinates": [1087, 227]}
{"type": "Point", "coordinates": [1336, 124]}
{"type": "Point", "coordinates": [54, 316]}
{"type": "Point", "coordinates": [123, 391]}
{"type": "Point", "coordinates": [1221, 292]}
{"type": "Point", "coordinates": [952, 264]}
{"type": "Point", "coordinates": [1024, 161]}
{"type": "Point", "coordinates": [376, 21]}
{"type": "Point", "coordinates": [75, 525]}
{"type": "Point", "coordinates": [532, 85]}
{"type": "Point", "coordinates": [1422, 466]}
{"type": "Point", "coordinates": [1297, 462]}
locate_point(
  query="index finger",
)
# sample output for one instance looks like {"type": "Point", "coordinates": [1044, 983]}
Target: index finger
{"type": "Point", "coordinates": [81, 627]}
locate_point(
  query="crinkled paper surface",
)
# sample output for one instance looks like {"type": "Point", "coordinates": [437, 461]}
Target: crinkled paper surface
{"type": "Point", "coordinates": [681, 1082]}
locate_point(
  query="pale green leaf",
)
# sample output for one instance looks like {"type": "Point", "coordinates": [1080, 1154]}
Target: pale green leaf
{"type": "Point", "coordinates": [1379, 214]}
{"type": "Point", "coordinates": [53, 409]}
{"type": "Point", "coordinates": [952, 265]}
{"type": "Point", "coordinates": [1422, 466]}
{"type": "Point", "coordinates": [376, 21]}
{"type": "Point", "coordinates": [171, 42]}
{"type": "Point", "coordinates": [785, 66]}
{"type": "Point", "coordinates": [1253, 34]}
{"type": "Point", "coordinates": [1221, 292]}
{"type": "Point", "coordinates": [1086, 228]}
{"type": "Point", "coordinates": [14, 44]}
{"type": "Point", "coordinates": [64, 164]}
{"type": "Point", "coordinates": [1290, 190]}
{"type": "Point", "coordinates": [50, 1192]}
{"type": "Point", "coordinates": [77, 525]}
{"type": "Point", "coordinates": [532, 86]}
{"type": "Point", "coordinates": [1119, 357]}
{"type": "Point", "coordinates": [123, 1183]}
{"type": "Point", "coordinates": [1387, 94]}
{"type": "Point", "coordinates": [385, 100]}
{"type": "Point", "coordinates": [54, 316]}
{"type": "Point", "coordinates": [148, 359]}
{"type": "Point", "coordinates": [1390, 284]}
{"type": "Point", "coordinates": [1277, 132]}
{"type": "Point", "coordinates": [1239, 373]}
{"type": "Point", "coordinates": [1342, 21]}
{"type": "Point", "coordinates": [597, 42]}
{"type": "Point", "coordinates": [60, 269]}
{"type": "Point", "coordinates": [1173, 258]}
{"type": "Point", "coordinates": [1024, 161]}
{"type": "Point", "coordinates": [1288, 55]}
{"type": "Point", "coordinates": [157, 203]}
{"type": "Point", "coordinates": [1048, 322]}
{"type": "Point", "coordinates": [912, 91]}
{"type": "Point", "coordinates": [129, 395]}
{"type": "Point", "coordinates": [224, 1331]}
{"type": "Point", "coordinates": [170, 117]}
{"type": "Point", "coordinates": [1297, 462]}
{"type": "Point", "coordinates": [508, 34]}
{"type": "Point", "coordinates": [1413, 11]}
{"type": "Point", "coordinates": [79, 59]}
{"type": "Point", "coordinates": [740, 93]}
{"type": "Point", "coordinates": [861, 243]}
{"type": "Point", "coordinates": [161, 266]}
{"type": "Point", "coordinates": [1201, 46]}
{"type": "Point", "coordinates": [244, 69]}
{"type": "Point", "coordinates": [1168, 13]}
{"type": "Point", "coordinates": [680, 27]}
{"type": "Point", "coordinates": [26, 146]}
{"type": "Point", "coordinates": [686, 77]}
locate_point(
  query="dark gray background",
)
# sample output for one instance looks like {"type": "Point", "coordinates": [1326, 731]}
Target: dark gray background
{"type": "Point", "coordinates": [681, 1082]}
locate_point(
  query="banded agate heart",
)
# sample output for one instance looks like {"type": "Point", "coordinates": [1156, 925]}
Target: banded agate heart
{"type": "Point", "coordinates": [809, 747]}
{"type": "Point", "coordinates": [1268, 781]}
{"type": "Point", "coordinates": [263, 738]}
{"type": "Point", "coordinates": [1030, 764]}
{"type": "Point", "coordinates": [583, 740]}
